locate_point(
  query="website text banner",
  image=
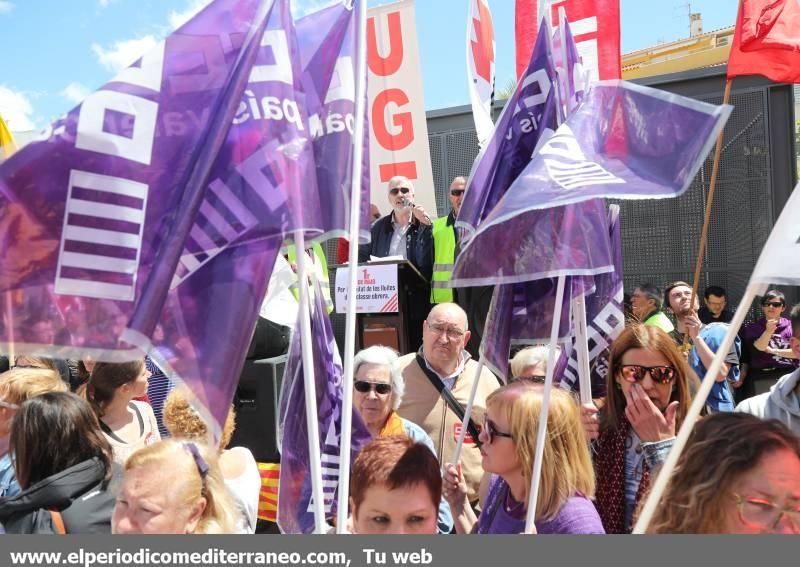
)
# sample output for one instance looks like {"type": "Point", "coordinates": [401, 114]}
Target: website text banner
{"type": "Point", "coordinates": [376, 292]}
{"type": "Point", "coordinates": [398, 132]}
{"type": "Point", "coordinates": [388, 551]}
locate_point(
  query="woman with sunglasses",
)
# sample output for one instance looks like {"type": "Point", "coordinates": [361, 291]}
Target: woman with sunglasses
{"type": "Point", "coordinates": [378, 388]}
{"type": "Point", "coordinates": [766, 353]}
{"type": "Point", "coordinates": [738, 475]}
{"type": "Point", "coordinates": [530, 363]}
{"type": "Point", "coordinates": [646, 400]}
{"type": "Point", "coordinates": [508, 439]}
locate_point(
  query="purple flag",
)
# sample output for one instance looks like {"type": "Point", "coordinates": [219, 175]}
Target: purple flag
{"type": "Point", "coordinates": [605, 318]}
{"type": "Point", "coordinates": [95, 213]}
{"type": "Point", "coordinates": [530, 110]}
{"type": "Point", "coordinates": [623, 141]}
{"type": "Point", "coordinates": [522, 313]}
{"type": "Point", "coordinates": [328, 53]}
{"type": "Point", "coordinates": [295, 510]}
{"type": "Point", "coordinates": [571, 74]}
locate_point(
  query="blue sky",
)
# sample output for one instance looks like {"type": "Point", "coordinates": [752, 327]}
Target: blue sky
{"type": "Point", "coordinates": [56, 51]}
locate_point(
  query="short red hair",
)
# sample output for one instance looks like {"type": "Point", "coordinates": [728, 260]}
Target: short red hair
{"type": "Point", "coordinates": [395, 462]}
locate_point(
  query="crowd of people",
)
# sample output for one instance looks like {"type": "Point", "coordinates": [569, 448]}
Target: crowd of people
{"type": "Point", "coordinates": [96, 448]}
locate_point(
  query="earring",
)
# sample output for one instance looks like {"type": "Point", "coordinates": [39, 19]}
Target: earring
{"type": "Point", "coordinates": [619, 386]}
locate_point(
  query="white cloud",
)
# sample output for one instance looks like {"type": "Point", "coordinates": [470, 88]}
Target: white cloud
{"type": "Point", "coordinates": [103, 3]}
{"type": "Point", "coordinates": [122, 53]}
{"type": "Point", "coordinates": [6, 6]}
{"type": "Point", "coordinates": [16, 109]}
{"type": "Point", "coordinates": [302, 8]}
{"type": "Point", "coordinates": [75, 92]}
{"type": "Point", "coordinates": [177, 19]}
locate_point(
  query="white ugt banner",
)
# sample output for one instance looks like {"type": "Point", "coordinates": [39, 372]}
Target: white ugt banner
{"type": "Point", "coordinates": [480, 67]}
{"type": "Point", "coordinates": [398, 133]}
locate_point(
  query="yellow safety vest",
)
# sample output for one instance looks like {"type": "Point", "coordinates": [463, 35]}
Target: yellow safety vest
{"type": "Point", "coordinates": [324, 280]}
{"type": "Point", "coordinates": [444, 249]}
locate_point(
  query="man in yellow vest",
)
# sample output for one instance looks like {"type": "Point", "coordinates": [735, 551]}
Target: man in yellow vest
{"type": "Point", "coordinates": [444, 245]}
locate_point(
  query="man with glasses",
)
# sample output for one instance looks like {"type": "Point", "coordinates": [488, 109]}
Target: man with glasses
{"type": "Point", "coordinates": [646, 307]}
{"type": "Point", "coordinates": [438, 381]}
{"type": "Point", "coordinates": [444, 245]}
{"type": "Point", "coordinates": [703, 342]}
{"type": "Point", "coordinates": [714, 310]}
{"type": "Point", "coordinates": [767, 352]}
{"type": "Point", "coordinates": [782, 402]}
{"type": "Point", "coordinates": [406, 231]}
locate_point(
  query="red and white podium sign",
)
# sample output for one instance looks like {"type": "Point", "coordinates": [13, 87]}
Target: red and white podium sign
{"type": "Point", "coordinates": [376, 291]}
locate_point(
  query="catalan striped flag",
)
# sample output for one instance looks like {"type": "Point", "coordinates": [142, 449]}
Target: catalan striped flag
{"type": "Point", "coordinates": [268, 497]}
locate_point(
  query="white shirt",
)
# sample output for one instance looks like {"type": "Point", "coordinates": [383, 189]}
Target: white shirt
{"type": "Point", "coordinates": [397, 246]}
{"type": "Point", "coordinates": [450, 379]}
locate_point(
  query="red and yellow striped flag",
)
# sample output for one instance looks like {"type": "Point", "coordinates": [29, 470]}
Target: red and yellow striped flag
{"type": "Point", "coordinates": [268, 497]}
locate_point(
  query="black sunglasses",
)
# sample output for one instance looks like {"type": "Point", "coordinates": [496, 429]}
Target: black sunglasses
{"type": "Point", "coordinates": [364, 387]}
{"type": "Point", "coordinates": [772, 303]}
{"type": "Point", "coordinates": [636, 373]}
{"type": "Point", "coordinates": [491, 431]}
{"type": "Point", "coordinates": [456, 192]}
{"type": "Point", "coordinates": [536, 378]}
{"type": "Point", "coordinates": [397, 190]}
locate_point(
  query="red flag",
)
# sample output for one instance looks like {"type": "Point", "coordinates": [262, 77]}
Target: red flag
{"type": "Point", "coordinates": [766, 41]}
{"type": "Point", "coordinates": [595, 25]}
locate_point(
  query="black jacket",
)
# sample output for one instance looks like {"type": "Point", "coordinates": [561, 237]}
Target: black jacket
{"type": "Point", "coordinates": [80, 493]}
{"type": "Point", "coordinates": [419, 244]}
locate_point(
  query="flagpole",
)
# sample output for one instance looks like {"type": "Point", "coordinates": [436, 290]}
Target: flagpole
{"type": "Point", "coordinates": [533, 496]}
{"type": "Point", "coordinates": [310, 386]}
{"type": "Point", "coordinates": [10, 322]}
{"type": "Point", "coordinates": [468, 413]}
{"type": "Point", "coordinates": [699, 401]}
{"type": "Point", "coordinates": [709, 202]}
{"type": "Point", "coordinates": [352, 283]}
{"type": "Point", "coordinates": [582, 346]}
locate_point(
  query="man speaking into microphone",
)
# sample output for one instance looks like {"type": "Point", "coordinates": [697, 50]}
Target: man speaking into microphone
{"type": "Point", "coordinates": [405, 232]}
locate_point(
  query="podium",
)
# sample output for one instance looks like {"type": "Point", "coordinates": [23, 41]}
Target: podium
{"type": "Point", "coordinates": [400, 329]}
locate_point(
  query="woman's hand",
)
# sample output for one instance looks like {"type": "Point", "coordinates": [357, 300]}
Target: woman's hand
{"type": "Point", "coordinates": [590, 421]}
{"type": "Point", "coordinates": [454, 487]}
{"type": "Point", "coordinates": [646, 419]}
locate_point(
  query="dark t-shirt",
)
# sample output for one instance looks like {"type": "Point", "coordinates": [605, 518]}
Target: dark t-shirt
{"type": "Point", "coordinates": [707, 316]}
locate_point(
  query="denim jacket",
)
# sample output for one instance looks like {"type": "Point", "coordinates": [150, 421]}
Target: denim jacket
{"type": "Point", "coordinates": [8, 478]}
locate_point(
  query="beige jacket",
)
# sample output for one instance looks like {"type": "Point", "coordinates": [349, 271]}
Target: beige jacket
{"type": "Point", "coordinates": [423, 405]}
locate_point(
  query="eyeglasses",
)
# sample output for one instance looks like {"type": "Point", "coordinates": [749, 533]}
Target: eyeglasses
{"type": "Point", "coordinates": [456, 192]}
{"type": "Point", "coordinates": [772, 303]}
{"type": "Point", "coordinates": [397, 190]}
{"type": "Point", "coordinates": [491, 431]}
{"type": "Point", "coordinates": [535, 378]}
{"type": "Point", "coordinates": [765, 514]}
{"type": "Point", "coordinates": [363, 386]}
{"type": "Point", "coordinates": [449, 332]}
{"type": "Point", "coordinates": [659, 374]}
{"type": "Point", "coordinates": [8, 405]}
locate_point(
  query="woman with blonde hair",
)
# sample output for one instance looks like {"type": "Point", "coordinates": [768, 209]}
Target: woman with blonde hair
{"type": "Point", "coordinates": [238, 467]}
{"type": "Point", "coordinates": [17, 386]}
{"type": "Point", "coordinates": [647, 399]}
{"type": "Point", "coordinates": [738, 474]}
{"type": "Point", "coordinates": [174, 487]}
{"type": "Point", "coordinates": [508, 439]}
{"type": "Point", "coordinates": [127, 423]}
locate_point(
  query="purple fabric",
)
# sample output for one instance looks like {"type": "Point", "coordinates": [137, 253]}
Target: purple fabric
{"type": "Point", "coordinates": [605, 318]}
{"type": "Point", "coordinates": [295, 512]}
{"type": "Point", "coordinates": [328, 47]}
{"type": "Point", "coordinates": [623, 141]}
{"type": "Point", "coordinates": [577, 516]}
{"type": "Point", "coordinates": [571, 240]}
{"type": "Point", "coordinates": [143, 161]}
{"type": "Point", "coordinates": [779, 340]}
{"type": "Point", "coordinates": [529, 111]}
{"type": "Point", "coordinates": [522, 313]}
{"type": "Point", "coordinates": [570, 72]}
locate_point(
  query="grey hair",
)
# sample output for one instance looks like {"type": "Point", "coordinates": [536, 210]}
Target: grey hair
{"type": "Point", "coordinates": [400, 180]}
{"type": "Point", "coordinates": [383, 356]}
{"type": "Point", "coordinates": [530, 356]}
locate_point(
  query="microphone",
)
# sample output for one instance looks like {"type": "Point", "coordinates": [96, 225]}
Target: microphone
{"type": "Point", "coordinates": [408, 203]}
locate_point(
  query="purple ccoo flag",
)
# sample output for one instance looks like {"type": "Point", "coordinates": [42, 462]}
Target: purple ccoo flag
{"type": "Point", "coordinates": [522, 313]}
{"type": "Point", "coordinates": [328, 51]}
{"type": "Point", "coordinates": [623, 141]}
{"type": "Point", "coordinates": [295, 510]}
{"type": "Point", "coordinates": [530, 110]}
{"type": "Point", "coordinates": [605, 318]}
{"type": "Point", "coordinates": [572, 76]}
{"type": "Point", "coordinates": [95, 213]}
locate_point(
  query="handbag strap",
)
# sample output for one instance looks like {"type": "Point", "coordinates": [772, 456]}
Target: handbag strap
{"type": "Point", "coordinates": [454, 404]}
{"type": "Point", "coordinates": [58, 522]}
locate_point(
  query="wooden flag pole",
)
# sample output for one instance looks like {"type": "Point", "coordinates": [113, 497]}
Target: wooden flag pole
{"type": "Point", "coordinates": [709, 202]}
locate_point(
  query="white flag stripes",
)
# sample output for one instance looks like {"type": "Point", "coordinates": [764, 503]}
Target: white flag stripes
{"type": "Point", "coordinates": [480, 67]}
